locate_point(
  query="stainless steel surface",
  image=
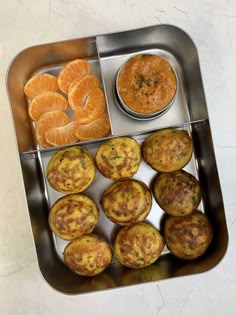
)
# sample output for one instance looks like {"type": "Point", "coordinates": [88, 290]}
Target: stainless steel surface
{"type": "Point", "coordinates": [189, 111]}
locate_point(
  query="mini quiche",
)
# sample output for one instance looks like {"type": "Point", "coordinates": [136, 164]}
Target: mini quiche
{"type": "Point", "coordinates": [88, 255]}
{"type": "Point", "coordinates": [72, 216]}
{"type": "Point", "coordinates": [118, 158]}
{"type": "Point", "coordinates": [138, 245]}
{"type": "Point", "coordinates": [188, 237]}
{"type": "Point", "coordinates": [71, 170]}
{"type": "Point", "coordinates": [167, 150]}
{"type": "Point", "coordinates": [126, 201]}
{"type": "Point", "coordinates": [177, 193]}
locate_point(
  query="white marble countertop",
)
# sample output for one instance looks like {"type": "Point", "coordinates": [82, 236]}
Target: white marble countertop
{"type": "Point", "coordinates": [212, 25]}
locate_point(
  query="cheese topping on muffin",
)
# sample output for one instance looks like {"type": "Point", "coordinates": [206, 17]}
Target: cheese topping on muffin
{"type": "Point", "coordinates": [118, 158]}
{"type": "Point", "coordinates": [71, 170]}
{"type": "Point", "coordinates": [73, 215]}
{"type": "Point", "coordinates": [188, 237]}
{"type": "Point", "coordinates": [138, 245]}
{"type": "Point", "coordinates": [88, 255]}
{"type": "Point", "coordinates": [126, 201]}
{"type": "Point", "coordinates": [177, 193]}
{"type": "Point", "coordinates": [167, 150]}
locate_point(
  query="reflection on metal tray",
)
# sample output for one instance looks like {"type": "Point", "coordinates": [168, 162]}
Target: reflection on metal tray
{"type": "Point", "coordinates": [189, 112]}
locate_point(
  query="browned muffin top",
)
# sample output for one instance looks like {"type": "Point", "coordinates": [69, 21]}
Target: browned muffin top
{"type": "Point", "coordinates": [167, 150]}
{"type": "Point", "coordinates": [126, 201]}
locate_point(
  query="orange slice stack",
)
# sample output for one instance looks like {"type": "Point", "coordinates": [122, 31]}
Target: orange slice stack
{"type": "Point", "coordinates": [46, 102]}
{"type": "Point", "coordinates": [62, 135]}
{"type": "Point", "coordinates": [72, 71]}
{"type": "Point", "coordinates": [98, 128]}
{"type": "Point", "coordinates": [46, 122]}
{"type": "Point", "coordinates": [80, 90]}
{"type": "Point", "coordinates": [39, 84]}
{"type": "Point", "coordinates": [86, 100]}
{"type": "Point", "coordinates": [93, 108]}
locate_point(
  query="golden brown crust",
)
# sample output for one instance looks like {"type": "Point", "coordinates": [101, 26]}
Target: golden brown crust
{"type": "Point", "coordinates": [118, 158]}
{"type": "Point", "coordinates": [72, 216]}
{"type": "Point", "coordinates": [167, 150]}
{"type": "Point", "coordinates": [146, 84]}
{"type": "Point", "coordinates": [138, 245]}
{"type": "Point", "coordinates": [188, 237]}
{"type": "Point", "coordinates": [127, 201]}
{"type": "Point", "coordinates": [88, 255]}
{"type": "Point", "coordinates": [71, 170]}
{"type": "Point", "coordinates": [177, 193]}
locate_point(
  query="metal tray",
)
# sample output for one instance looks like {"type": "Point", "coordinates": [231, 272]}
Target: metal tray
{"type": "Point", "coordinates": [189, 112]}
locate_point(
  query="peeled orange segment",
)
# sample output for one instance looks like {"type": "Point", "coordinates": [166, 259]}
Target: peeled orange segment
{"type": "Point", "coordinates": [74, 70]}
{"type": "Point", "coordinates": [80, 90]}
{"type": "Point", "coordinates": [46, 102]}
{"type": "Point", "coordinates": [47, 121]}
{"type": "Point", "coordinates": [39, 84]}
{"type": "Point", "coordinates": [62, 135]}
{"type": "Point", "coordinates": [93, 108]}
{"type": "Point", "coordinates": [98, 128]}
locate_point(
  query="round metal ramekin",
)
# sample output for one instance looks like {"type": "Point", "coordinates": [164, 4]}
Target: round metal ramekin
{"type": "Point", "coordinates": [135, 114]}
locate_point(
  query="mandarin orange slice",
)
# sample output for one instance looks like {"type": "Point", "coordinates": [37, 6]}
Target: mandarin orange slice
{"type": "Point", "coordinates": [98, 128]}
{"type": "Point", "coordinates": [39, 84]}
{"type": "Point", "coordinates": [80, 90]}
{"type": "Point", "coordinates": [46, 102]}
{"type": "Point", "coordinates": [93, 108]}
{"type": "Point", "coordinates": [74, 70]}
{"type": "Point", "coordinates": [47, 121]}
{"type": "Point", "coordinates": [62, 135]}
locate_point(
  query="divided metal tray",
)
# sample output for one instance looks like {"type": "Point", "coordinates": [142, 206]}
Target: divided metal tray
{"type": "Point", "coordinates": [189, 111]}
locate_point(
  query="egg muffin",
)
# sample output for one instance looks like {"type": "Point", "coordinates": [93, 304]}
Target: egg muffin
{"type": "Point", "coordinates": [188, 237]}
{"type": "Point", "coordinates": [72, 216]}
{"type": "Point", "coordinates": [71, 170]}
{"type": "Point", "coordinates": [177, 193]}
{"type": "Point", "coordinates": [138, 245]}
{"type": "Point", "coordinates": [146, 84]}
{"type": "Point", "coordinates": [118, 158]}
{"type": "Point", "coordinates": [126, 201]}
{"type": "Point", "coordinates": [167, 150]}
{"type": "Point", "coordinates": [88, 255]}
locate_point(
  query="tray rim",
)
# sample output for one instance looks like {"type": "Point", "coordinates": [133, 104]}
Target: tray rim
{"type": "Point", "coordinates": [35, 152]}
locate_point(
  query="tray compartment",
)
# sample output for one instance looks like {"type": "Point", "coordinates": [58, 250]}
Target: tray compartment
{"type": "Point", "coordinates": [188, 112]}
{"type": "Point", "coordinates": [177, 48]}
{"type": "Point", "coordinates": [50, 248]}
{"type": "Point", "coordinates": [49, 59]}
